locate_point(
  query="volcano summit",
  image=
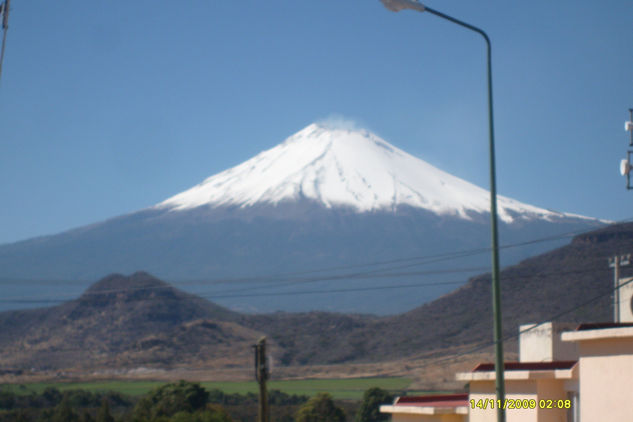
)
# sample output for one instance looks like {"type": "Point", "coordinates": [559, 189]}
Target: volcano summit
{"type": "Point", "coordinates": [392, 230]}
{"type": "Point", "coordinates": [342, 168]}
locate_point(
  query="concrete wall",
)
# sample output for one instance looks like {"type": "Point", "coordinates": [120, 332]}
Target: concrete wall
{"type": "Point", "coordinates": [542, 389]}
{"type": "Point", "coordinates": [626, 293]}
{"type": "Point", "coordinates": [606, 380]}
{"type": "Point", "coordinates": [544, 344]}
{"type": "Point", "coordinates": [428, 418]}
{"type": "Point", "coordinates": [553, 390]}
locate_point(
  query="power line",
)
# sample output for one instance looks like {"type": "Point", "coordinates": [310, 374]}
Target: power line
{"type": "Point", "coordinates": [55, 299]}
{"type": "Point", "coordinates": [554, 317]}
{"type": "Point", "coordinates": [423, 260]}
{"type": "Point", "coordinates": [480, 346]}
{"type": "Point", "coordinates": [476, 348]}
{"type": "Point", "coordinates": [266, 281]}
{"type": "Point", "coordinates": [237, 293]}
{"type": "Point", "coordinates": [228, 293]}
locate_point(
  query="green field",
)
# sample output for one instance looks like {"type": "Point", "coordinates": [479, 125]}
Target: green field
{"type": "Point", "coordinates": [351, 389]}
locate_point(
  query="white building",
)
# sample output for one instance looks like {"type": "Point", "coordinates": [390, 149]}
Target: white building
{"type": "Point", "coordinates": [565, 373]}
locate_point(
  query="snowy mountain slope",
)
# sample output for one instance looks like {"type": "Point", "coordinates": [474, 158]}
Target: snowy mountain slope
{"type": "Point", "coordinates": [324, 198]}
{"type": "Point", "coordinates": [346, 168]}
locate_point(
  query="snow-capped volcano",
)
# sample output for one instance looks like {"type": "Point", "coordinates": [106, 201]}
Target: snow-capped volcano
{"type": "Point", "coordinates": [325, 199]}
{"type": "Point", "coordinates": [339, 167]}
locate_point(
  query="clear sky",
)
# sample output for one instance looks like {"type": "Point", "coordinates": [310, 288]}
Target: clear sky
{"type": "Point", "coordinates": [111, 107]}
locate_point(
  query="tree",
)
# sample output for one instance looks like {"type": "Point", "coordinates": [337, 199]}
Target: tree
{"type": "Point", "coordinates": [64, 413]}
{"type": "Point", "coordinates": [320, 408]}
{"type": "Point", "coordinates": [211, 414]}
{"type": "Point", "coordinates": [52, 396]}
{"type": "Point", "coordinates": [103, 415]}
{"type": "Point", "coordinates": [86, 417]}
{"type": "Point", "coordinates": [20, 416]}
{"type": "Point", "coordinates": [369, 410]}
{"type": "Point", "coordinates": [170, 399]}
{"type": "Point", "coordinates": [179, 402]}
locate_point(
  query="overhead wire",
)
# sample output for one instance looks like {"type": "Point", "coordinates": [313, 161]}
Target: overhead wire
{"type": "Point", "coordinates": [478, 347]}
{"type": "Point", "coordinates": [276, 282]}
{"type": "Point", "coordinates": [449, 358]}
{"type": "Point", "coordinates": [224, 292]}
{"type": "Point", "coordinates": [386, 287]}
{"type": "Point", "coordinates": [238, 292]}
{"type": "Point", "coordinates": [331, 290]}
{"type": "Point", "coordinates": [554, 317]}
{"type": "Point", "coordinates": [433, 258]}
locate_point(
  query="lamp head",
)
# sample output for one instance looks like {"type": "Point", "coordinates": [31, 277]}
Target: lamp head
{"type": "Point", "coordinates": [398, 5]}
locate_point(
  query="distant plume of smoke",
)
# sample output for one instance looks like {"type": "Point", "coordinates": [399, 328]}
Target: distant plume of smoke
{"type": "Point", "coordinates": [337, 121]}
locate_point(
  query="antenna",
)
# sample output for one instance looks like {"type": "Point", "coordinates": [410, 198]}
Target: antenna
{"type": "Point", "coordinates": [625, 165]}
{"type": "Point", "coordinates": [625, 169]}
{"type": "Point", "coordinates": [628, 126]}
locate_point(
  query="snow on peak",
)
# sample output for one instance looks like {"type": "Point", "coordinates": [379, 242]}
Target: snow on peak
{"type": "Point", "coordinates": [344, 166]}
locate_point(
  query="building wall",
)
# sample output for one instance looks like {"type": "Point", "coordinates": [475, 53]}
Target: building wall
{"type": "Point", "coordinates": [543, 343]}
{"type": "Point", "coordinates": [625, 302]}
{"type": "Point", "coordinates": [606, 374]}
{"type": "Point", "coordinates": [543, 389]}
{"type": "Point", "coordinates": [553, 390]}
{"type": "Point", "coordinates": [536, 345]}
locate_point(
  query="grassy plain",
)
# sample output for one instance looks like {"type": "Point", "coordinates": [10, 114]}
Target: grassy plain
{"type": "Point", "coordinates": [349, 389]}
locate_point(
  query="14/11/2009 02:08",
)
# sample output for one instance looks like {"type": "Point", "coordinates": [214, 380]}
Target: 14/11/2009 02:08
{"type": "Point", "coordinates": [520, 404]}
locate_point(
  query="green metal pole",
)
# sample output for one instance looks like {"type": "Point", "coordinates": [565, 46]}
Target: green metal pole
{"type": "Point", "coordinates": [396, 6]}
{"type": "Point", "coordinates": [496, 289]}
{"type": "Point", "coordinates": [496, 285]}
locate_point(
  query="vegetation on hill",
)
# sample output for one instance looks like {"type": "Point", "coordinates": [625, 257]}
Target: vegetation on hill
{"type": "Point", "coordinates": [320, 408]}
{"type": "Point", "coordinates": [53, 405]}
{"type": "Point", "coordinates": [369, 410]}
{"type": "Point", "coordinates": [183, 402]}
{"type": "Point", "coordinates": [172, 402]}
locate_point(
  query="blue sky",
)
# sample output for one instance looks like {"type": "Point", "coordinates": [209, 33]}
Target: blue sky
{"type": "Point", "coordinates": [111, 107]}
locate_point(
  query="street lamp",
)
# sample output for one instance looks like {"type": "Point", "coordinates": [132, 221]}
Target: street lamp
{"type": "Point", "coordinates": [396, 6]}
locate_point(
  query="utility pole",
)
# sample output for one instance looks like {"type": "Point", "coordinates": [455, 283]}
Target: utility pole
{"type": "Point", "coordinates": [4, 14]}
{"type": "Point", "coordinates": [261, 375]}
{"type": "Point", "coordinates": [616, 262]}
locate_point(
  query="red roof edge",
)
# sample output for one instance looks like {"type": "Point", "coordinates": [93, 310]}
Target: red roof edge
{"type": "Point", "coordinates": [432, 398]}
{"type": "Point", "coordinates": [526, 366]}
{"type": "Point", "coordinates": [602, 325]}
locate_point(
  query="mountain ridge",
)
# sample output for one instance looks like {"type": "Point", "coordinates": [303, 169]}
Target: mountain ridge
{"type": "Point", "coordinates": [141, 321]}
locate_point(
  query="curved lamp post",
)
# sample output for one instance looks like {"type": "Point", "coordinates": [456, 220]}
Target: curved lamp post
{"type": "Point", "coordinates": [396, 6]}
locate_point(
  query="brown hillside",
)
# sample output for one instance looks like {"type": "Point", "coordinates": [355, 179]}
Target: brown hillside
{"type": "Point", "coordinates": [139, 321]}
{"type": "Point", "coordinates": [559, 285]}
{"type": "Point", "coordinates": [124, 322]}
